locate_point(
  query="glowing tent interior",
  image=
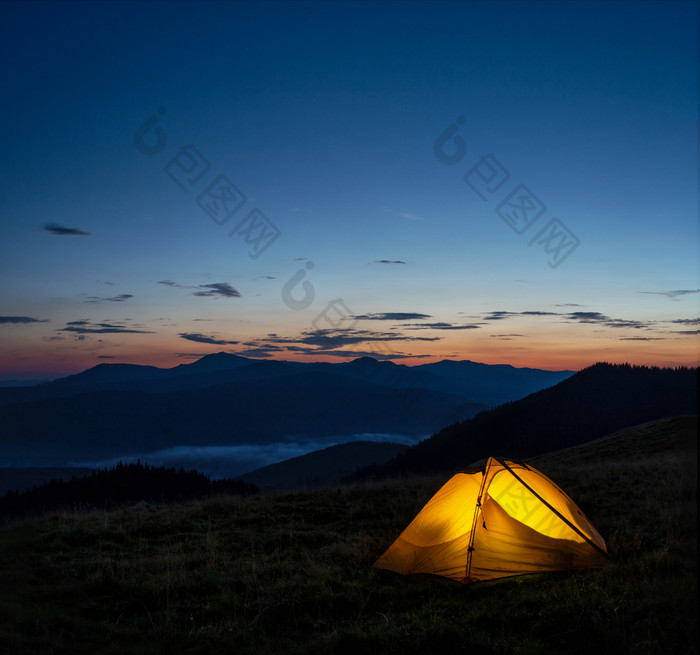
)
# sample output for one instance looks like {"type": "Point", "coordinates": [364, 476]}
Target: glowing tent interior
{"type": "Point", "coordinates": [504, 519]}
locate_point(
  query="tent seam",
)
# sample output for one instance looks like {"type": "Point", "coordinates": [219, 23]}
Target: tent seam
{"type": "Point", "coordinates": [563, 518]}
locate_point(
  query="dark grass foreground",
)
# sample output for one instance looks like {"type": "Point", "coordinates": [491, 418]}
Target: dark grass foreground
{"type": "Point", "coordinates": [293, 573]}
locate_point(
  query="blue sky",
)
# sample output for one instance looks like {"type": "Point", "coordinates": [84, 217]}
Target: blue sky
{"type": "Point", "coordinates": [325, 116]}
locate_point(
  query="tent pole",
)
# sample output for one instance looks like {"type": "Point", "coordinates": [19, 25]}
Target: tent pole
{"type": "Point", "coordinates": [477, 510]}
{"type": "Point", "coordinates": [563, 518]}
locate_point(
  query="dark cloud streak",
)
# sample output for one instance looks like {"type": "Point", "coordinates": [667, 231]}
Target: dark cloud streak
{"type": "Point", "coordinates": [439, 326]}
{"type": "Point", "coordinates": [218, 289]}
{"type": "Point", "coordinates": [14, 320]}
{"type": "Point", "coordinates": [593, 318]}
{"type": "Point", "coordinates": [120, 298]}
{"type": "Point", "coordinates": [672, 295]}
{"type": "Point", "coordinates": [201, 338]}
{"type": "Point", "coordinates": [602, 319]}
{"type": "Point", "coordinates": [392, 316]}
{"type": "Point", "coordinates": [84, 326]}
{"type": "Point", "coordinates": [62, 231]}
{"type": "Point", "coordinates": [223, 289]}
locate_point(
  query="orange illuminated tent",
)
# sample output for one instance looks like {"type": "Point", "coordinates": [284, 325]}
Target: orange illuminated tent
{"type": "Point", "coordinates": [504, 519]}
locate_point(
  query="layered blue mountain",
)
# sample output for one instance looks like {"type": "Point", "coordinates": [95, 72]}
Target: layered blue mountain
{"type": "Point", "coordinates": [222, 400]}
{"type": "Point", "coordinates": [486, 384]}
{"type": "Point", "coordinates": [597, 401]}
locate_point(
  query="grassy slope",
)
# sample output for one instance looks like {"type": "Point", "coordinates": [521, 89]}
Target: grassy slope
{"type": "Point", "coordinates": [325, 466]}
{"type": "Point", "coordinates": [291, 573]}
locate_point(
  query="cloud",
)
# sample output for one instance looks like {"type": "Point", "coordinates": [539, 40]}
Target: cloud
{"type": "Point", "coordinates": [588, 317]}
{"type": "Point", "coordinates": [106, 357]}
{"type": "Point", "coordinates": [62, 231]}
{"type": "Point", "coordinates": [255, 344]}
{"type": "Point", "coordinates": [120, 298]}
{"type": "Point", "coordinates": [329, 340]}
{"type": "Point", "coordinates": [201, 338]}
{"type": "Point", "coordinates": [596, 318]}
{"type": "Point", "coordinates": [177, 285]}
{"type": "Point", "coordinates": [256, 352]}
{"type": "Point", "coordinates": [392, 316]}
{"type": "Point", "coordinates": [672, 295]}
{"type": "Point", "coordinates": [388, 261]}
{"type": "Point", "coordinates": [687, 321]}
{"type": "Point", "coordinates": [500, 315]}
{"type": "Point", "coordinates": [410, 216]}
{"type": "Point", "coordinates": [84, 326]}
{"type": "Point", "coordinates": [218, 289]}
{"type": "Point", "coordinates": [439, 326]}
{"type": "Point", "coordinates": [641, 339]}
{"type": "Point", "coordinates": [13, 320]}
{"type": "Point", "coordinates": [602, 319]}
{"type": "Point", "coordinates": [336, 343]}
{"type": "Point", "coordinates": [337, 339]}
{"type": "Point", "coordinates": [354, 354]}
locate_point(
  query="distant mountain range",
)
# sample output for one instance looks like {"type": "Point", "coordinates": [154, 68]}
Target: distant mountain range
{"type": "Point", "coordinates": [596, 401]}
{"type": "Point", "coordinates": [592, 403]}
{"type": "Point", "coordinates": [486, 384]}
{"type": "Point", "coordinates": [222, 399]}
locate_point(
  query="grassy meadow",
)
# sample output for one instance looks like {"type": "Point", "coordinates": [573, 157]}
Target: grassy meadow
{"type": "Point", "coordinates": [292, 572]}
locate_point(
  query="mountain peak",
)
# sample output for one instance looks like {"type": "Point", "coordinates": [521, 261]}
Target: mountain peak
{"type": "Point", "coordinates": [109, 372]}
{"type": "Point", "coordinates": [366, 360]}
{"type": "Point", "coordinates": [218, 362]}
{"type": "Point", "coordinates": [369, 363]}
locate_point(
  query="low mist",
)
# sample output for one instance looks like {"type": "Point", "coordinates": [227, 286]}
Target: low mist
{"type": "Point", "coordinates": [231, 461]}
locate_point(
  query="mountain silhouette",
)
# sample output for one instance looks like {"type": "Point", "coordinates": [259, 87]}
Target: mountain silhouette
{"type": "Point", "coordinates": [596, 401]}
{"type": "Point", "coordinates": [58, 430]}
{"type": "Point", "coordinates": [113, 410]}
{"type": "Point", "coordinates": [485, 384]}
